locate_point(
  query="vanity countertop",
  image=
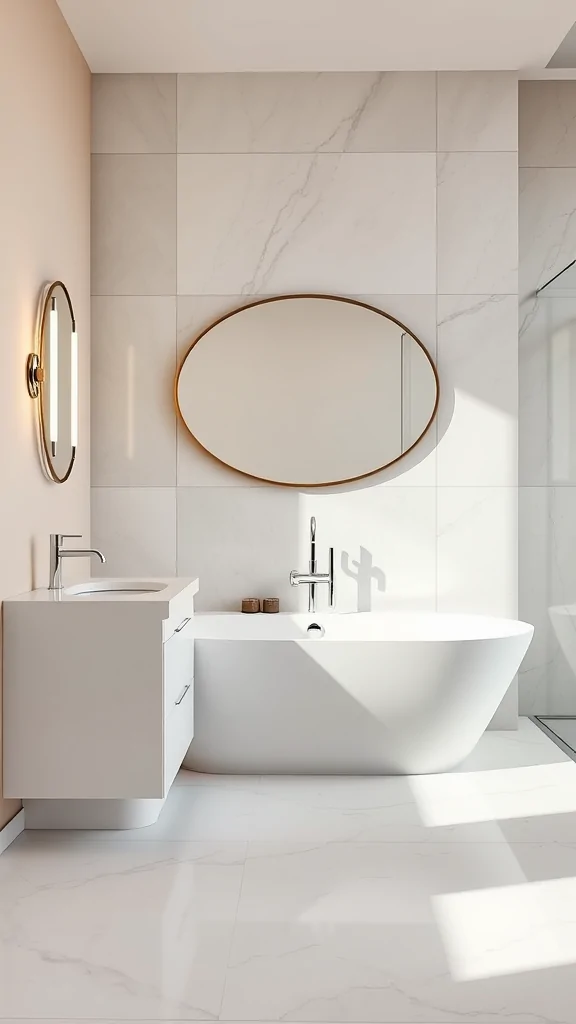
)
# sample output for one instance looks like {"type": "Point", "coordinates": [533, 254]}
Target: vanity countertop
{"type": "Point", "coordinates": [170, 591]}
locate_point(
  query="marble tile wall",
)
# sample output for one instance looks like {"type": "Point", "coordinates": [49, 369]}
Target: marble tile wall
{"type": "Point", "coordinates": [547, 380]}
{"type": "Point", "coordinates": [398, 188]}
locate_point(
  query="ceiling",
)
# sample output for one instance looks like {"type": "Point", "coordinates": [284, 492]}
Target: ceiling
{"type": "Point", "coordinates": [317, 35]}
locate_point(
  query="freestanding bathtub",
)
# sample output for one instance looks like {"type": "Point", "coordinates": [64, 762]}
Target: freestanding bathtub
{"type": "Point", "coordinates": [376, 694]}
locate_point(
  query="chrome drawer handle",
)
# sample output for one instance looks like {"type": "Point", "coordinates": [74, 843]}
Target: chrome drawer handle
{"type": "Point", "coordinates": [183, 694]}
{"type": "Point", "coordinates": [182, 624]}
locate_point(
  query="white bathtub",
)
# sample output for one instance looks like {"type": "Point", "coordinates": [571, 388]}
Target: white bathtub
{"type": "Point", "coordinates": [396, 693]}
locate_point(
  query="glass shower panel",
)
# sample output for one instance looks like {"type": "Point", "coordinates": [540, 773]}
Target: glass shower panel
{"type": "Point", "coordinates": [553, 512]}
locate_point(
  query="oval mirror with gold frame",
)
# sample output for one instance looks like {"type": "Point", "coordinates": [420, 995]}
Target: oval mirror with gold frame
{"type": "Point", "coordinates": [307, 390]}
{"type": "Point", "coordinates": [52, 378]}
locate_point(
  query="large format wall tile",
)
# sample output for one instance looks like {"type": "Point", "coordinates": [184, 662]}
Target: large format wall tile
{"type": "Point", "coordinates": [547, 124]}
{"type": "Point", "coordinates": [478, 367]}
{"type": "Point", "coordinates": [533, 397]}
{"type": "Point", "coordinates": [244, 542]}
{"type": "Point", "coordinates": [314, 183]}
{"type": "Point", "coordinates": [381, 112]}
{"type": "Point", "coordinates": [547, 364]}
{"type": "Point", "coordinates": [547, 586]}
{"type": "Point", "coordinates": [547, 378]}
{"type": "Point", "coordinates": [385, 545]}
{"type": "Point", "coordinates": [477, 111]}
{"type": "Point", "coordinates": [477, 550]}
{"type": "Point", "coordinates": [136, 529]}
{"type": "Point", "coordinates": [534, 523]}
{"type": "Point", "coordinates": [355, 223]}
{"type": "Point", "coordinates": [477, 223]}
{"type": "Point", "coordinates": [547, 225]}
{"type": "Point", "coordinates": [133, 366]}
{"type": "Point", "coordinates": [562, 591]}
{"type": "Point", "coordinates": [133, 225]}
{"type": "Point", "coordinates": [241, 542]}
{"type": "Point", "coordinates": [133, 113]}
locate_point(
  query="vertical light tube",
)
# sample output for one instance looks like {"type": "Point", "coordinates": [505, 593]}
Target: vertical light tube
{"type": "Point", "coordinates": [74, 387]}
{"type": "Point", "coordinates": [53, 364]}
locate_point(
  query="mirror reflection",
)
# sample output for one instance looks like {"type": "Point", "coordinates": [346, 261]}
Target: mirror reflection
{"type": "Point", "coordinates": [307, 390]}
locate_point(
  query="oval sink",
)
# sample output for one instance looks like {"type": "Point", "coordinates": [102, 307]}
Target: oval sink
{"type": "Point", "coordinates": [113, 587]}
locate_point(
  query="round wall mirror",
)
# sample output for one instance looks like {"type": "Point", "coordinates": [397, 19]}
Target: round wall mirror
{"type": "Point", "coordinates": [53, 381]}
{"type": "Point", "coordinates": [307, 390]}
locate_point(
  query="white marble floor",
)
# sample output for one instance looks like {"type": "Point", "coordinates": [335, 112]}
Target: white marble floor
{"type": "Point", "coordinates": [432, 898]}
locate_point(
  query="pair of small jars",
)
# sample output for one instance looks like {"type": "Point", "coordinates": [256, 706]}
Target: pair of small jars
{"type": "Point", "coordinates": [269, 605]}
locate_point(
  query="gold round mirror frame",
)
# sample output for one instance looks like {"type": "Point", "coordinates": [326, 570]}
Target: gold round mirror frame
{"type": "Point", "coordinates": [331, 298]}
{"type": "Point", "coordinates": [36, 379]}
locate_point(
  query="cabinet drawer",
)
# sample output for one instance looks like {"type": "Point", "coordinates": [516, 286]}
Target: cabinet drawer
{"type": "Point", "coordinates": [177, 667]}
{"type": "Point", "coordinates": [180, 622]}
{"type": "Point", "coordinates": [178, 734]}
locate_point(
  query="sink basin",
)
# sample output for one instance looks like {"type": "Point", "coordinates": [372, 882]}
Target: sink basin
{"type": "Point", "coordinates": [98, 587]}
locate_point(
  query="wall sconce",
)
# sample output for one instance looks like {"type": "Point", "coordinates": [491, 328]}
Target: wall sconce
{"type": "Point", "coordinates": [52, 379]}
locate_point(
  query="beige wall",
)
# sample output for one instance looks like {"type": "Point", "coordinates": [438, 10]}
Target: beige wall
{"type": "Point", "coordinates": [44, 213]}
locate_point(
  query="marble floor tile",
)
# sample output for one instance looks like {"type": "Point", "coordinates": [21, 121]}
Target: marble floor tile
{"type": "Point", "coordinates": [439, 898]}
{"type": "Point", "coordinates": [394, 932]}
{"type": "Point", "coordinates": [514, 787]}
{"type": "Point", "coordinates": [115, 930]}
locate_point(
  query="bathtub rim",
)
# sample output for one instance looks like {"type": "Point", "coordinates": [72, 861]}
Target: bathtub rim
{"type": "Point", "coordinates": [474, 627]}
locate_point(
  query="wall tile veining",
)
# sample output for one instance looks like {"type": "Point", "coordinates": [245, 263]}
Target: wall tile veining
{"type": "Point", "coordinates": [212, 189]}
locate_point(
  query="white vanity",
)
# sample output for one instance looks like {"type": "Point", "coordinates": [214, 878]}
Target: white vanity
{"type": "Point", "coordinates": [98, 700]}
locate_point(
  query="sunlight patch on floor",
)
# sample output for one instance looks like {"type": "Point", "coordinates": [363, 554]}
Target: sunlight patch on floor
{"type": "Point", "coordinates": [509, 929]}
{"type": "Point", "coordinates": [495, 795]}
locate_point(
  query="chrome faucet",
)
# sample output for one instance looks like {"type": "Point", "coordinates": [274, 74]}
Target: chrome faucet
{"type": "Point", "coordinates": [312, 578]}
{"type": "Point", "coordinates": [57, 553]}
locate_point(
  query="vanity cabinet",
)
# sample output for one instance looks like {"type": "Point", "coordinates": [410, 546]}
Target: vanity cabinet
{"type": "Point", "coordinates": [98, 693]}
{"type": "Point", "coordinates": [178, 679]}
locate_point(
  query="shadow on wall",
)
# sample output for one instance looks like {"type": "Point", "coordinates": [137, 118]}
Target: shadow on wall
{"type": "Point", "coordinates": [362, 529]}
{"type": "Point", "coordinates": [364, 572]}
{"type": "Point", "coordinates": [423, 450]}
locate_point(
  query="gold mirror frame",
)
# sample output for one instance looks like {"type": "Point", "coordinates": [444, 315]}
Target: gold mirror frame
{"type": "Point", "coordinates": [36, 380]}
{"type": "Point", "coordinates": [308, 295]}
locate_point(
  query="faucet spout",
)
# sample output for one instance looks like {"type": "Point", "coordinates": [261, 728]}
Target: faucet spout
{"type": "Point", "coordinates": [82, 553]}
{"type": "Point", "coordinates": [57, 553]}
{"type": "Point", "coordinates": [312, 578]}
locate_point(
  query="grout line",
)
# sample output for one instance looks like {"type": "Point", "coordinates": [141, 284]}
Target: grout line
{"type": "Point", "coordinates": [312, 490]}
{"type": "Point", "coordinates": [273, 844]}
{"type": "Point", "coordinates": [257, 295]}
{"type": "Point", "coordinates": [327, 152]}
{"type": "Point", "coordinates": [234, 928]}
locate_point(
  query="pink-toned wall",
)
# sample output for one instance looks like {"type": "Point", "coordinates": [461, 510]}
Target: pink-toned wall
{"type": "Point", "coordinates": [44, 234]}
